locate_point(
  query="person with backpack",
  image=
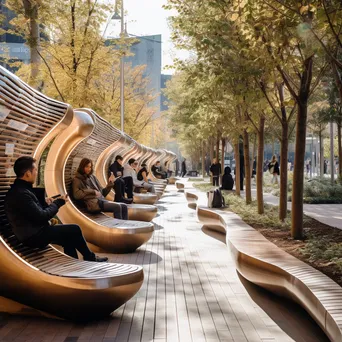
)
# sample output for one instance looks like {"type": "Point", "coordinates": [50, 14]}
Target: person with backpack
{"type": "Point", "coordinates": [273, 168]}
{"type": "Point", "coordinates": [215, 170]}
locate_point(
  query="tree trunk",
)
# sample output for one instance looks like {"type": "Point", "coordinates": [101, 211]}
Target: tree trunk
{"type": "Point", "coordinates": [247, 166]}
{"type": "Point", "coordinates": [321, 155]}
{"type": "Point", "coordinates": [339, 150]}
{"type": "Point", "coordinates": [253, 153]}
{"type": "Point", "coordinates": [211, 150]}
{"type": "Point", "coordinates": [260, 166]}
{"type": "Point", "coordinates": [237, 168]}
{"type": "Point", "coordinates": [203, 158]}
{"type": "Point", "coordinates": [217, 155]}
{"type": "Point", "coordinates": [31, 13]}
{"type": "Point", "coordinates": [222, 158]}
{"type": "Point", "coordinates": [298, 173]}
{"type": "Point", "coordinates": [283, 172]}
{"type": "Point", "coordinates": [283, 155]}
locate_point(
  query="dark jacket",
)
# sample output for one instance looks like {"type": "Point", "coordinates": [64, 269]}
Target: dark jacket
{"type": "Point", "coordinates": [183, 166]}
{"type": "Point", "coordinates": [275, 167]}
{"type": "Point", "coordinates": [156, 171]}
{"type": "Point", "coordinates": [215, 169]}
{"type": "Point", "coordinates": [84, 190]}
{"type": "Point", "coordinates": [115, 168]}
{"type": "Point", "coordinates": [140, 176]}
{"type": "Point", "coordinates": [24, 212]}
{"type": "Point", "coordinates": [227, 179]}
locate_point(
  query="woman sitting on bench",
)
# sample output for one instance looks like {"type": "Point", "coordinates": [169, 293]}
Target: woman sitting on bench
{"type": "Point", "coordinates": [87, 189]}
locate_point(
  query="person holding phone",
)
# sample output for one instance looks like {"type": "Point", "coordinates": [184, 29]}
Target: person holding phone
{"type": "Point", "coordinates": [87, 189]}
{"type": "Point", "coordinates": [124, 184]}
{"type": "Point", "coordinates": [33, 223]}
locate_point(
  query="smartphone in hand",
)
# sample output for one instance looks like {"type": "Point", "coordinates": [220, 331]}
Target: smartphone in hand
{"type": "Point", "coordinates": [56, 196]}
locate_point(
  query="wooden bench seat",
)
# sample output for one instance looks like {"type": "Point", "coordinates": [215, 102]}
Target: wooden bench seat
{"type": "Point", "coordinates": [64, 156]}
{"type": "Point", "coordinates": [265, 264]}
{"type": "Point", "coordinates": [46, 280]}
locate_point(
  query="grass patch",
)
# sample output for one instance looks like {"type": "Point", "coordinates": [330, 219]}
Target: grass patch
{"type": "Point", "coordinates": [200, 179]}
{"type": "Point", "coordinates": [204, 186]}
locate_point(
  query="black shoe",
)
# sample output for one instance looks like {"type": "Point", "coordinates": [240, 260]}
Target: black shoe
{"type": "Point", "coordinates": [127, 200]}
{"type": "Point", "coordinates": [96, 258]}
{"type": "Point", "coordinates": [100, 259]}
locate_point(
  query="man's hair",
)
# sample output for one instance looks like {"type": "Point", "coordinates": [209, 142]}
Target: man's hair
{"type": "Point", "coordinates": [118, 158]}
{"type": "Point", "coordinates": [84, 162]}
{"type": "Point", "coordinates": [143, 165]}
{"type": "Point", "coordinates": [22, 165]}
{"type": "Point", "coordinates": [131, 161]}
{"type": "Point", "coordinates": [158, 161]}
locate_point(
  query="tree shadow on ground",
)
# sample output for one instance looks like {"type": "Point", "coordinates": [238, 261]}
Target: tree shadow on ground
{"type": "Point", "coordinates": [288, 315]}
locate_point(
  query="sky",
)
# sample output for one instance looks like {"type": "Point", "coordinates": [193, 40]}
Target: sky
{"type": "Point", "coordinates": [147, 17]}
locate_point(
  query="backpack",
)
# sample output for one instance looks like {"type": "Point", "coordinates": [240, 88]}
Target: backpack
{"type": "Point", "coordinates": [215, 199]}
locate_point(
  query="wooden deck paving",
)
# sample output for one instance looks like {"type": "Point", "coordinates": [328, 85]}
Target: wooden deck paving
{"type": "Point", "coordinates": [191, 293]}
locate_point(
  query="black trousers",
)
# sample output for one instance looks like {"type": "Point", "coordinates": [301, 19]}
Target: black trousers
{"type": "Point", "coordinates": [183, 173]}
{"type": "Point", "coordinates": [216, 180]}
{"type": "Point", "coordinates": [67, 235]}
{"type": "Point", "coordinates": [122, 186]}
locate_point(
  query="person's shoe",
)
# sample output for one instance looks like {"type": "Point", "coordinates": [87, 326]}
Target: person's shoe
{"type": "Point", "coordinates": [125, 200]}
{"type": "Point", "coordinates": [96, 258]}
{"type": "Point", "coordinates": [100, 259]}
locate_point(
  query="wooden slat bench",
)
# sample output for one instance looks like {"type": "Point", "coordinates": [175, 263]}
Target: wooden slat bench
{"type": "Point", "coordinates": [265, 264]}
{"type": "Point", "coordinates": [82, 138]}
{"type": "Point", "coordinates": [46, 280]}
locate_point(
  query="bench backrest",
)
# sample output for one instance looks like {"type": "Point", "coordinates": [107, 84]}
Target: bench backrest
{"type": "Point", "coordinates": [28, 122]}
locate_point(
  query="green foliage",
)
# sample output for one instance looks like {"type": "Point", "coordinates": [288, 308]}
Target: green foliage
{"type": "Point", "coordinates": [324, 249]}
{"type": "Point", "coordinates": [249, 213]}
{"type": "Point", "coordinates": [322, 188]}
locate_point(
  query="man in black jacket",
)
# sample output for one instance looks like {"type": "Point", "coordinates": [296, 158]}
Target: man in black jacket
{"type": "Point", "coordinates": [123, 184]}
{"type": "Point", "coordinates": [32, 222]}
{"type": "Point", "coordinates": [215, 170]}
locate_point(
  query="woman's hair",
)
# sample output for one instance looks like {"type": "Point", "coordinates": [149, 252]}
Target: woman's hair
{"type": "Point", "coordinates": [274, 158]}
{"type": "Point", "coordinates": [143, 165]}
{"type": "Point", "coordinates": [84, 162]}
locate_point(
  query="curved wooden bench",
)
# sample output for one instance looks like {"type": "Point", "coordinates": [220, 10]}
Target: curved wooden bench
{"type": "Point", "coordinates": [46, 281]}
{"type": "Point", "coordinates": [180, 186]}
{"type": "Point", "coordinates": [104, 138]}
{"type": "Point", "coordinates": [107, 233]}
{"type": "Point", "coordinates": [121, 147]}
{"type": "Point", "coordinates": [263, 263]}
{"type": "Point", "coordinates": [192, 199]}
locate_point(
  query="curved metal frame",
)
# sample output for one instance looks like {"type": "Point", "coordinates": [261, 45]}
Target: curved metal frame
{"type": "Point", "coordinates": [47, 281]}
{"type": "Point", "coordinates": [111, 235]}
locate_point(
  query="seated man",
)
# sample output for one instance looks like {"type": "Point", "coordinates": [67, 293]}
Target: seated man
{"type": "Point", "coordinates": [32, 223]}
{"type": "Point", "coordinates": [123, 184]}
{"type": "Point", "coordinates": [129, 171]}
{"type": "Point", "coordinates": [227, 179]}
{"type": "Point", "coordinates": [87, 189]}
{"type": "Point", "coordinates": [157, 172]}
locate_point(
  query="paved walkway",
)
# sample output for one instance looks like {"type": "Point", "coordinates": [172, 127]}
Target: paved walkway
{"type": "Point", "coordinates": [191, 293]}
{"type": "Point", "coordinates": [329, 214]}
